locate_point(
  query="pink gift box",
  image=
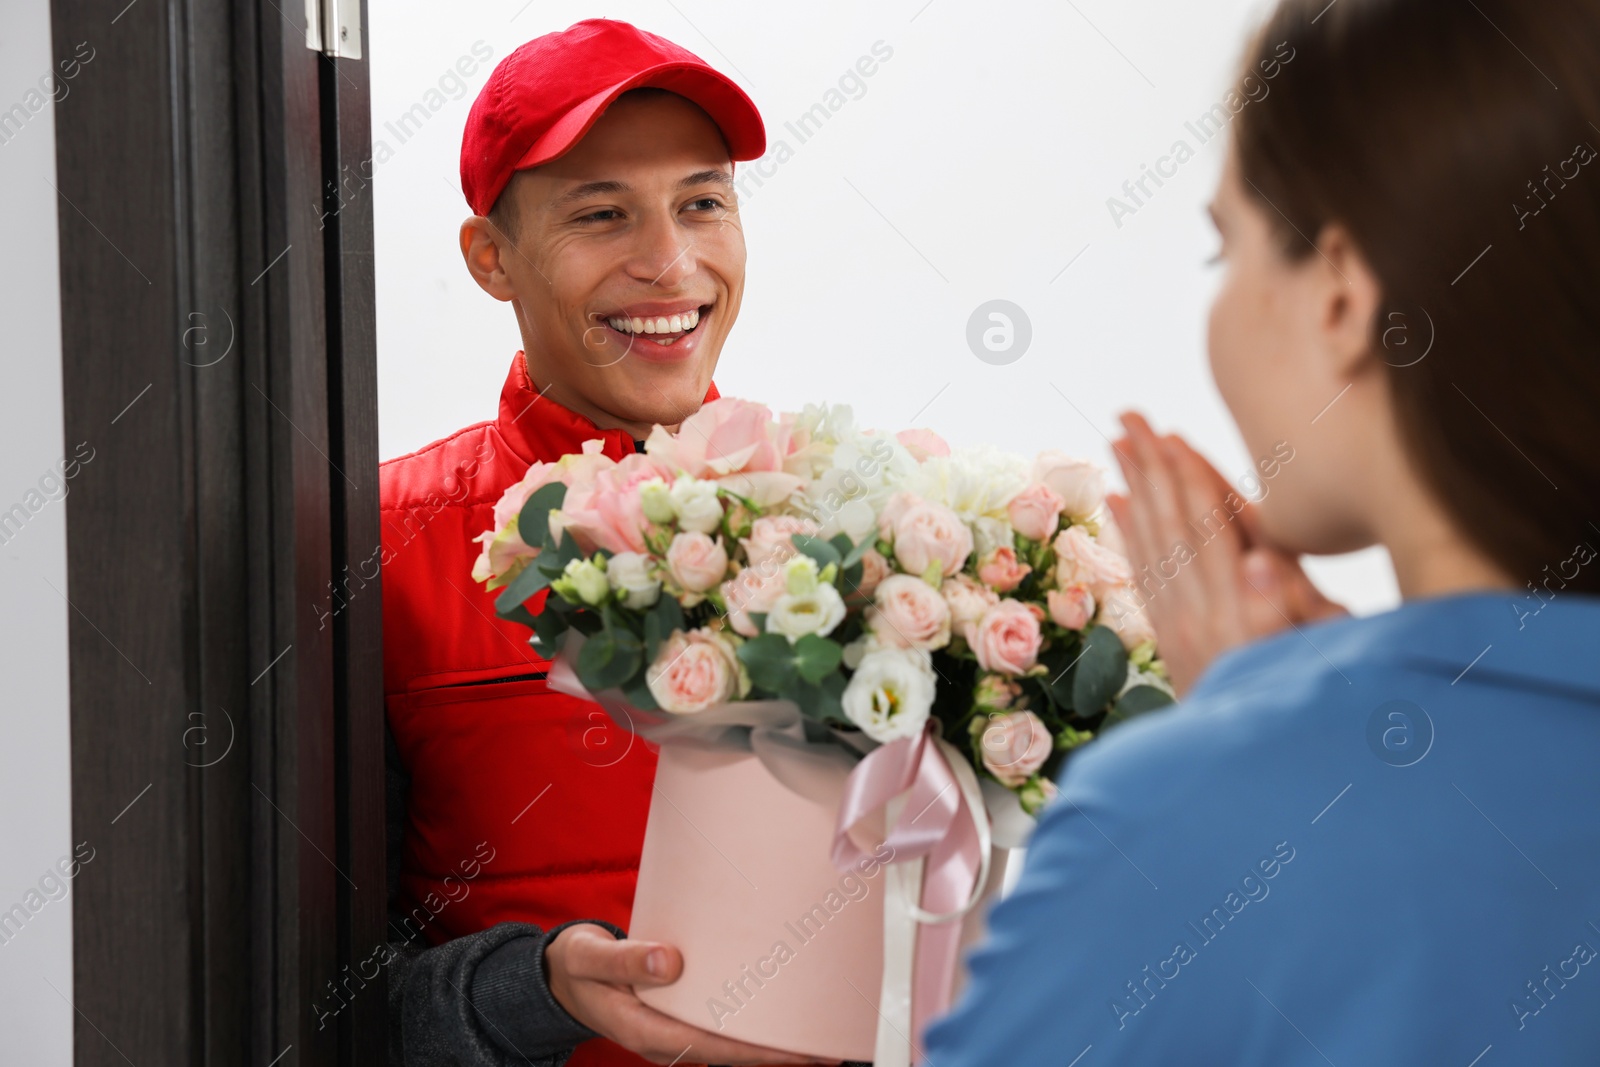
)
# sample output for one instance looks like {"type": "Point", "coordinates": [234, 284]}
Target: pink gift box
{"type": "Point", "coordinates": [779, 948]}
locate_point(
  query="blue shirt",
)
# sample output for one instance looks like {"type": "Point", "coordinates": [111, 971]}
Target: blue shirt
{"type": "Point", "coordinates": [1367, 842]}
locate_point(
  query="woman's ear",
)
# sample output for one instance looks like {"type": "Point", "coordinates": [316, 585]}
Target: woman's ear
{"type": "Point", "coordinates": [480, 247]}
{"type": "Point", "coordinates": [1349, 296]}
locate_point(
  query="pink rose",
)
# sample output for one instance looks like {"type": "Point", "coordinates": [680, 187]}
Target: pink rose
{"type": "Point", "coordinates": [603, 509]}
{"type": "Point", "coordinates": [874, 569]}
{"type": "Point", "coordinates": [897, 505]}
{"type": "Point", "coordinates": [1007, 638]}
{"type": "Point", "coordinates": [1080, 484]}
{"type": "Point", "coordinates": [996, 692]}
{"type": "Point", "coordinates": [503, 547]}
{"type": "Point", "coordinates": [753, 591]}
{"type": "Point", "coordinates": [770, 541]}
{"type": "Point", "coordinates": [1083, 561]}
{"type": "Point", "coordinates": [1072, 607]}
{"type": "Point", "coordinates": [1002, 571]}
{"type": "Point", "coordinates": [1015, 746]}
{"type": "Point", "coordinates": [693, 672]}
{"type": "Point", "coordinates": [1035, 511]}
{"type": "Point", "coordinates": [696, 562]}
{"type": "Point", "coordinates": [926, 534]}
{"type": "Point", "coordinates": [909, 613]}
{"type": "Point", "coordinates": [738, 444]}
{"type": "Point", "coordinates": [969, 601]}
{"type": "Point", "coordinates": [1123, 615]}
{"type": "Point", "coordinates": [922, 444]}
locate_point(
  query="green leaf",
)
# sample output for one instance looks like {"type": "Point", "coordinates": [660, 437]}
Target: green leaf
{"type": "Point", "coordinates": [535, 514]}
{"type": "Point", "coordinates": [815, 657]}
{"type": "Point", "coordinates": [529, 582]}
{"type": "Point", "coordinates": [639, 695]}
{"type": "Point", "coordinates": [818, 549]}
{"type": "Point", "coordinates": [770, 661]}
{"type": "Point", "coordinates": [1059, 660]}
{"type": "Point", "coordinates": [521, 615]}
{"type": "Point", "coordinates": [551, 628]}
{"type": "Point", "coordinates": [855, 554]}
{"type": "Point", "coordinates": [1101, 671]}
{"type": "Point", "coordinates": [610, 658]}
{"type": "Point", "coordinates": [1137, 701]}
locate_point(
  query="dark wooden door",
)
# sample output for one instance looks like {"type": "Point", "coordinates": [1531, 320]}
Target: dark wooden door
{"type": "Point", "coordinates": [227, 744]}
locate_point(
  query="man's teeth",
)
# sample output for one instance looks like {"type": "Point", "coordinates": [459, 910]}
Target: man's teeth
{"type": "Point", "coordinates": [661, 324]}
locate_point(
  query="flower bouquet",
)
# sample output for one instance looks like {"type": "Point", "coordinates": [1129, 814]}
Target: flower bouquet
{"type": "Point", "coordinates": [894, 642]}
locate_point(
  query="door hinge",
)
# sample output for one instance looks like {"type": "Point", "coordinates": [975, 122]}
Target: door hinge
{"type": "Point", "coordinates": [333, 27]}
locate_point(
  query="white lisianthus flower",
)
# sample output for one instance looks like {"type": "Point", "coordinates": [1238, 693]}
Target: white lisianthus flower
{"type": "Point", "coordinates": [632, 580]}
{"type": "Point", "coordinates": [800, 575]}
{"type": "Point", "coordinates": [696, 504]}
{"type": "Point", "coordinates": [891, 693]}
{"type": "Point", "coordinates": [587, 580]}
{"type": "Point", "coordinates": [816, 612]}
{"type": "Point", "coordinates": [655, 498]}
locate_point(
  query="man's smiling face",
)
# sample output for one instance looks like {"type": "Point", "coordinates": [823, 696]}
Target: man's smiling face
{"type": "Point", "coordinates": [624, 260]}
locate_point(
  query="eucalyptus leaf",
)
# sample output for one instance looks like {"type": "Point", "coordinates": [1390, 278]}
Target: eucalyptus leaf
{"type": "Point", "coordinates": [1139, 700]}
{"type": "Point", "coordinates": [1102, 670]}
{"type": "Point", "coordinates": [770, 660]}
{"type": "Point", "coordinates": [816, 657]}
{"type": "Point", "coordinates": [529, 582]}
{"type": "Point", "coordinates": [534, 517]}
{"type": "Point", "coordinates": [818, 549]}
{"type": "Point", "coordinates": [609, 659]}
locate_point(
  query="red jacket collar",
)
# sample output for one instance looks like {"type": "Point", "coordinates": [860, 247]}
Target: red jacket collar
{"type": "Point", "coordinates": [538, 428]}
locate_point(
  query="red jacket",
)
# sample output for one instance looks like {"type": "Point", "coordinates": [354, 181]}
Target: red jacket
{"type": "Point", "coordinates": [525, 804]}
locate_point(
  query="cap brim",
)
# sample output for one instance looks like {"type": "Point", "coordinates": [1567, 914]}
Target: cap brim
{"type": "Point", "coordinates": [734, 113]}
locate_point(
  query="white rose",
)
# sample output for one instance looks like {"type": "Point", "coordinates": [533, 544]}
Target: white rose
{"type": "Point", "coordinates": [696, 505]}
{"type": "Point", "coordinates": [891, 693]}
{"type": "Point", "coordinates": [817, 612]}
{"type": "Point", "coordinates": [631, 579]}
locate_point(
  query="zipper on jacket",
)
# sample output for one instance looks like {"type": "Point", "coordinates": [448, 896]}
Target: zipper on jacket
{"type": "Point", "coordinates": [537, 676]}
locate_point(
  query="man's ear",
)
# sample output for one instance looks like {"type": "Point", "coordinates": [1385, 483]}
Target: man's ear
{"type": "Point", "coordinates": [1350, 296]}
{"type": "Point", "coordinates": [480, 247]}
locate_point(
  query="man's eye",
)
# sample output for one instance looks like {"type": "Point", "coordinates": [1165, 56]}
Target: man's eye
{"type": "Point", "coordinates": [706, 203]}
{"type": "Point", "coordinates": [607, 214]}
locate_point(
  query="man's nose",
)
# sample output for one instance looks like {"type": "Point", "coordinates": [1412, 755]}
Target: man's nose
{"type": "Point", "coordinates": [664, 254]}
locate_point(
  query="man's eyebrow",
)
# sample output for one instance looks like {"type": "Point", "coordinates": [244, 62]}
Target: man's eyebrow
{"type": "Point", "coordinates": [588, 189]}
{"type": "Point", "coordinates": [707, 177]}
{"type": "Point", "coordinates": [612, 188]}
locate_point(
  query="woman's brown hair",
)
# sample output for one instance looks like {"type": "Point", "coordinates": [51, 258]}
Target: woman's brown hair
{"type": "Point", "coordinates": [1457, 142]}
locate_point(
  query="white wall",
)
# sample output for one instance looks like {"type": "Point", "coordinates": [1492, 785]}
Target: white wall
{"type": "Point", "coordinates": [36, 1021]}
{"type": "Point", "coordinates": [975, 165]}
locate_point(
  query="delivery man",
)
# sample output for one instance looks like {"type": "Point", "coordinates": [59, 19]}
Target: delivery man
{"type": "Point", "coordinates": [598, 164]}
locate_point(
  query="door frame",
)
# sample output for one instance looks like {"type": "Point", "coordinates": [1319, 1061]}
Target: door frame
{"type": "Point", "coordinates": [225, 651]}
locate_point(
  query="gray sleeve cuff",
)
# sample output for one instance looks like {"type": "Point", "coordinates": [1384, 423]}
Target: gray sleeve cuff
{"type": "Point", "coordinates": [511, 994]}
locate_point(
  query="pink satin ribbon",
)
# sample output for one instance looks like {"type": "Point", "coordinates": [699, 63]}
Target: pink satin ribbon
{"type": "Point", "coordinates": [933, 825]}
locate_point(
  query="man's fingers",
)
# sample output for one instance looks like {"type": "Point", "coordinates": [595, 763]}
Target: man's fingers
{"type": "Point", "coordinates": [595, 955]}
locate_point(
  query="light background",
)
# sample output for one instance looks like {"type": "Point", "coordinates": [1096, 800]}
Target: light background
{"type": "Point", "coordinates": [35, 752]}
{"type": "Point", "coordinates": [975, 165]}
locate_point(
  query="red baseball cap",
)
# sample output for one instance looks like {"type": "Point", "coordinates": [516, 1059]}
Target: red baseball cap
{"type": "Point", "coordinates": [545, 96]}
